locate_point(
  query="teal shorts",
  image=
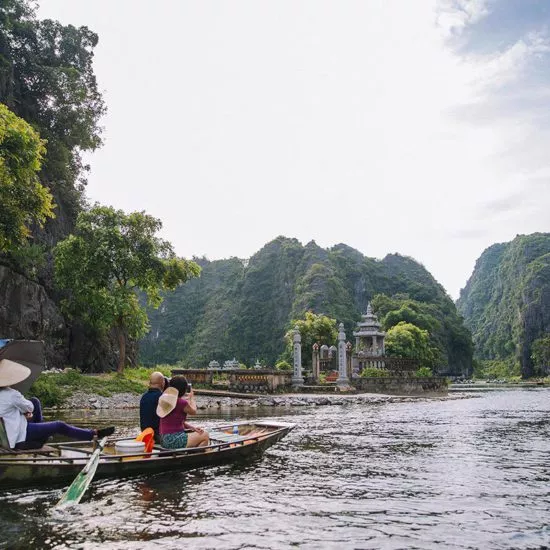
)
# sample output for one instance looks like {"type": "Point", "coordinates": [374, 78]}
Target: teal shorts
{"type": "Point", "coordinates": [176, 440]}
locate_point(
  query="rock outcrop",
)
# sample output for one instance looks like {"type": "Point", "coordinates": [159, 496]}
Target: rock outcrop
{"type": "Point", "coordinates": [27, 312]}
{"type": "Point", "coordinates": [506, 302]}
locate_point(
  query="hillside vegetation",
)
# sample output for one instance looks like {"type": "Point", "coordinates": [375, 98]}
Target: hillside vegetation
{"type": "Point", "coordinates": [506, 303]}
{"type": "Point", "coordinates": [242, 308]}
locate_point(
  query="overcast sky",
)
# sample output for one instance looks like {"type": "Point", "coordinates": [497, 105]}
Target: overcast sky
{"type": "Point", "coordinates": [412, 126]}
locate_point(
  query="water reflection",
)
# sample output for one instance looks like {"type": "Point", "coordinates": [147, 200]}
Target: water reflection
{"type": "Point", "coordinates": [456, 474]}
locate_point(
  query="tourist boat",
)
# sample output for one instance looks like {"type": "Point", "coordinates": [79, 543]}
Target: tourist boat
{"type": "Point", "coordinates": [62, 462]}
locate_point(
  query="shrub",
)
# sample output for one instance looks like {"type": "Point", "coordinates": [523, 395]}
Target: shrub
{"type": "Point", "coordinates": [423, 372]}
{"type": "Point", "coordinates": [371, 372]}
{"type": "Point", "coordinates": [283, 365]}
{"type": "Point", "coordinates": [53, 388]}
{"type": "Point", "coordinates": [48, 391]}
{"type": "Point", "coordinates": [496, 369]}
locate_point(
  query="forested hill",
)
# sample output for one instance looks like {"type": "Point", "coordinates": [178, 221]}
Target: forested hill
{"type": "Point", "coordinates": [242, 308]}
{"type": "Point", "coordinates": [506, 302]}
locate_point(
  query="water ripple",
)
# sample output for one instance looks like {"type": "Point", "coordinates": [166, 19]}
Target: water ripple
{"type": "Point", "coordinates": [428, 474]}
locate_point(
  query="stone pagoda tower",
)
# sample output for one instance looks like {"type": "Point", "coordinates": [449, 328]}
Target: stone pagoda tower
{"type": "Point", "coordinates": [369, 343]}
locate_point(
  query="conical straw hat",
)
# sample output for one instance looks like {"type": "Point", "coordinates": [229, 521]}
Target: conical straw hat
{"type": "Point", "coordinates": [12, 372]}
{"type": "Point", "coordinates": [167, 402]}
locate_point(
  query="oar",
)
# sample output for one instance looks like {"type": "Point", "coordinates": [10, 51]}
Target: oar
{"type": "Point", "coordinates": [78, 487]}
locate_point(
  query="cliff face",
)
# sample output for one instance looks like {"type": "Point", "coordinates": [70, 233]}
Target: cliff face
{"type": "Point", "coordinates": [506, 302]}
{"type": "Point", "coordinates": [27, 312]}
{"type": "Point", "coordinates": [243, 308]}
{"type": "Point", "coordinates": [47, 79]}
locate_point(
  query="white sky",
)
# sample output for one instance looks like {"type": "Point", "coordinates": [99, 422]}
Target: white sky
{"type": "Point", "coordinates": [366, 122]}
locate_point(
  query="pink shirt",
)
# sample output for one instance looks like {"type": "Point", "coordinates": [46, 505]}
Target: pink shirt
{"type": "Point", "coordinates": [173, 422]}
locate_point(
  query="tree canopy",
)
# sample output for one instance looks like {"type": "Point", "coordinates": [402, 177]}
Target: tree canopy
{"type": "Point", "coordinates": [24, 200]}
{"type": "Point", "coordinates": [449, 339]}
{"type": "Point", "coordinates": [314, 328]}
{"type": "Point", "coordinates": [109, 259]}
{"type": "Point", "coordinates": [47, 78]}
{"type": "Point", "coordinates": [409, 341]}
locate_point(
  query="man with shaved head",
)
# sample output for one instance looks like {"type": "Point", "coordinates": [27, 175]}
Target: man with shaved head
{"type": "Point", "coordinates": [148, 417]}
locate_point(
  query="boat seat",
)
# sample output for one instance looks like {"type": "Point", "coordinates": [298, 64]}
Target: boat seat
{"type": "Point", "coordinates": [227, 438]}
{"type": "Point", "coordinates": [5, 445]}
{"type": "Point", "coordinates": [45, 450]}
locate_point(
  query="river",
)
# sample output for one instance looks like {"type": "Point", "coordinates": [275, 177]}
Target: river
{"type": "Point", "coordinates": [470, 473]}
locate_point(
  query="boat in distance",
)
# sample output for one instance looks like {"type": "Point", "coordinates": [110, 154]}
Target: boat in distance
{"type": "Point", "coordinates": [61, 462]}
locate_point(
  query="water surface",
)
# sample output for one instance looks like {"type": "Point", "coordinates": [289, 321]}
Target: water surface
{"type": "Point", "coordinates": [470, 473]}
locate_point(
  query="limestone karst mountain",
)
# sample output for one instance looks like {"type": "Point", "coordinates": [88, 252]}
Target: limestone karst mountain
{"type": "Point", "coordinates": [243, 308]}
{"type": "Point", "coordinates": [506, 301]}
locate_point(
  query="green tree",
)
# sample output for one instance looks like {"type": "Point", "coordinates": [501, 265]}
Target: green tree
{"type": "Point", "coordinates": [47, 78]}
{"type": "Point", "coordinates": [24, 200]}
{"type": "Point", "coordinates": [409, 341]}
{"type": "Point", "coordinates": [107, 261]}
{"type": "Point", "coordinates": [314, 328]}
{"type": "Point", "coordinates": [540, 354]}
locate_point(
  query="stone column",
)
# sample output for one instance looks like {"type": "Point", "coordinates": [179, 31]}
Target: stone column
{"type": "Point", "coordinates": [348, 360]}
{"type": "Point", "coordinates": [315, 362]}
{"type": "Point", "coordinates": [374, 346]}
{"type": "Point", "coordinates": [343, 379]}
{"type": "Point", "coordinates": [297, 378]}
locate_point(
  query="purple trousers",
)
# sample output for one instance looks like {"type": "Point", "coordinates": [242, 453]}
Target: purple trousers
{"type": "Point", "coordinates": [38, 432]}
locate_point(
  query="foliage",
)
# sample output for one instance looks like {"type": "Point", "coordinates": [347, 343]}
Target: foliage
{"type": "Point", "coordinates": [314, 328]}
{"type": "Point", "coordinates": [506, 302]}
{"type": "Point", "coordinates": [371, 372]}
{"type": "Point", "coordinates": [449, 340]}
{"type": "Point", "coordinates": [24, 200]}
{"type": "Point", "coordinates": [409, 341]}
{"type": "Point", "coordinates": [110, 257]}
{"type": "Point", "coordinates": [220, 378]}
{"type": "Point", "coordinates": [540, 354]}
{"type": "Point", "coordinates": [46, 78]}
{"type": "Point", "coordinates": [423, 372]}
{"type": "Point", "coordinates": [283, 365]}
{"type": "Point", "coordinates": [496, 369]}
{"type": "Point", "coordinates": [142, 374]}
{"type": "Point", "coordinates": [28, 259]}
{"type": "Point", "coordinates": [53, 388]}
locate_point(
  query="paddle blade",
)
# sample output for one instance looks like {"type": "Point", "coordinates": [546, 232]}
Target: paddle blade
{"type": "Point", "coordinates": [78, 487]}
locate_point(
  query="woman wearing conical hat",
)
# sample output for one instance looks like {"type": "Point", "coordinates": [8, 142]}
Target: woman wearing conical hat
{"type": "Point", "coordinates": [174, 405]}
{"type": "Point", "coordinates": [23, 417]}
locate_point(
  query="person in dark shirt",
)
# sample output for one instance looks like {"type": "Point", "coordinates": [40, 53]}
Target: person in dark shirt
{"type": "Point", "coordinates": [148, 417]}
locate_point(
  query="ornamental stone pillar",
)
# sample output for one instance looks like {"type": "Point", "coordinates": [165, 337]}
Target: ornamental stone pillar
{"type": "Point", "coordinates": [315, 362]}
{"type": "Point", "coordinates": [343, 379]}
{"type": "Point", "coordinates": [297, 378]}
{"type": "Point", "coordinates": [348, 360]}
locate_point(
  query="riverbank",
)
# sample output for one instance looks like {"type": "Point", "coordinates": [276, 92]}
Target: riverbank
{"type": "Point", "coordinates": [81, 400]}
{"type": "Point", "coordinates": [70, 389]}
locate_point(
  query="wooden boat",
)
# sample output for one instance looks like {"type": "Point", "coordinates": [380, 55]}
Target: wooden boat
{"type": "Point", "coordinates": [62, 462]}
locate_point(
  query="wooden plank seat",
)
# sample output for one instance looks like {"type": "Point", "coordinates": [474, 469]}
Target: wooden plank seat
{"type": "Point", "coordinates": [44, 450]}
{"type": "Point", "coordinates": [5, 445]}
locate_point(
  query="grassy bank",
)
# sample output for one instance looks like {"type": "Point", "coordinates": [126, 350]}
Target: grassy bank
{"type": "Point", "coordinates": [52, 389]}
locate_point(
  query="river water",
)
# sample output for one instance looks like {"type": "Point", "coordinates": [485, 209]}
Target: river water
{"type": "Point", "coordinates": [470, 473]}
